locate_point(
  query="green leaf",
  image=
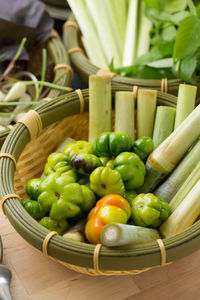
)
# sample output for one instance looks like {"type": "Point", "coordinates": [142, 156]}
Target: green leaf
{"type": "Point", "coordinates": [188, 37]}
{"type": "Point", "coordinates": [145, 72]}
{"type": "Point", "coordinates": [172, 6]}
{"type": "Point", "coordinates": [169, 33]}
{"type": "Point", "coordinates": [187, 68]}
{"type": "Point", "coordinates": [152, 55]}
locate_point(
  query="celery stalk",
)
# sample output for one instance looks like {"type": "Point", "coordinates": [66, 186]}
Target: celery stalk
{"type": "Point", "coordinates": [145, 26]}
{"type": "Point", "coordinates": [184, 215]}
{"type": "Point", "coordinates": [124, 113]}
{"type": "Point", "coordinates": [171, 185]}
{"type": "Point", "coordinates": [94, 52]}
{"type": "Point", "coordinates": [88, 28]}
{"type": "Point", "coordinates": [120, 9]}
{"type": "Point", "coordinates": [185, 102]}
{"type": "Point", "coordinates": [130, 46]}
{"type": "Point", "coordinates": [190, 182]}
{"type": "Point", "coordinates": [115, 235]}
{"type": "Point", "coordinates": [146, 108]}
{"type": "Point", "coordinates": [168, 154]}
{"type": "Point", "coordinates": [114, 22]}
{"type": "Point", "coordinates": [102, 22]}
{"type": "Point", "coordinates": [100, 105]}
{"type": "Point", "coordinates": [164, 124]}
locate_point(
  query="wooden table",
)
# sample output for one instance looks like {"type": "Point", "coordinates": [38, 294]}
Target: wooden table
{"type": "Point", "coordinates": [36, 277]}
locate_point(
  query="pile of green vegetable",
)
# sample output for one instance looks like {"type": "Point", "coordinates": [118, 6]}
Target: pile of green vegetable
{"type": "Point", "coordinates": [147, 39]}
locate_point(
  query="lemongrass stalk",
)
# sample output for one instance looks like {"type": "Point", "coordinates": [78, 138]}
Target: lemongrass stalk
{"type": "Point", "coordinates": [172, 184]}
{"type": "Point", "coordinates": [146, 108]}
{"type": "Point", "coordinates": [164, 124]}
{"type": "Point", "coordinates": [2, 96]}
{"type": "Point", "coordinates": [16, 91]}
{"type": "Point", "coordinates": [124, 113]}
{"type": "Point", "coordinates": [185, 103]}
{"type": "Point", "coordinates": [116, 235]}
{"type": "Point", "coordinates": [145, 26]}
{"type": "Point", "coordinates": [33, 78]}
{"type": "Point", "coordinates": [76, 232]}
{"type": "Point", "coordinates": [168, 154]}
{"type": "Point", "coordinates": [101, 19]}
{"type": "Point", "coordinates": [88, 27]}
{"type": "Point", "coordinates": [114, 21]}
{"type": "Point", "coordinates": [130, 46]}
{"type": "Point", "coordinates": [100, 105]}
{"type": "Point", "coordinates": [184, 215]}
{"type": "Point", "coordinates": [93, 52]}
{"type": "Point", "coordinates": [189, 183]}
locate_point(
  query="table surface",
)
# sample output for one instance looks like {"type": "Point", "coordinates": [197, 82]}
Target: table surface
{"type": "Point", "coordinates": [36, 277]}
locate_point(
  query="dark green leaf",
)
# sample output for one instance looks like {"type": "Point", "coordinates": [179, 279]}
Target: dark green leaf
{"type": "Point", "coordinates": [187, 69]}
{"type": "Point", "coordinates": [188, 37]}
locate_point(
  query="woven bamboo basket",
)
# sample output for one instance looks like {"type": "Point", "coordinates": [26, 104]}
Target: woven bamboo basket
{"type": "Point", "coordinates": [29, 144]}
{"type": "Point", "coordinates": [57, 54]}
{"type": "Point", "coordinates": [83, 66]}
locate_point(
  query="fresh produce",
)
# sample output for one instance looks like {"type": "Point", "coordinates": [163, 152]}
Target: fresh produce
{"type": "Point", "coordinates": [112, 143]}
{"type": "Point", "coordinates": [146, 109]}
{"type": "Point", "coordinates": [111, 208]}
{"type": "Point", "coordinates": [62, 198]}
{"type": "Point", "coordinates": [58, 162]}
{"type": "Point", "coordinates": [53, 225]}
{"type": "Point", "coordinates": [143, 147]}
{"type": "Point", "coordinates": [78, 147]}
{"type": "Point", "coordinates": [116, 235]}
{"type": "Point", "coordinates": [104, 181]}
{"type": "Point", "coordinates": [166, 157]}
{"type": "Point", "coordinates": [76, 232]}
{"type": "Point", "coordinates": [32, 188]}
{"type": "Point", "coordinates": [130, 43]}
{"type": "Point", "coordinates": [173, 183]}
{"type": "Point", "coordinates": [149, 210]}
{"type": "Point", "coordinates": [184, 215]}
{"type": "Point", "coordinates": [142, 39]}
{"type": "Point", "coordinates": [85, 163]}
{"type": "Point", "coordinates": [130, 196]}
{"type": "Point", "coordinates": [100, 105]}
{"type": "Point", "coordinates": [131, 169]}
{"type": "Point", "coordinates": [124, 113]}
{"type": "Point", "coordinates": [33, 208]}
{"type": "Point", "coordinates": [185, 102]}
{"type": "Point", "coordinates": [164, 124]}
{"type": "Point", "coordinates": [187, 186]}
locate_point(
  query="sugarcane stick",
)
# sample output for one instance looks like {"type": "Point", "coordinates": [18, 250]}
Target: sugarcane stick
{"type": "Point", "coordinates": [115, 235]}
{"type": "Point", "coordinates": [146, 108]}
{"type": "Point", "coordinates": [168, 154]}
{"type": "Point", "coordinates": [184, 215]}
{"type": "Point", "coordinates": [171, 185]}
{"type": "Point", "coordinates": [124, 113]}
{"type": "Point", "coordinates": [164, 124]}
{"type": "Point", "coordinates": [185, 103]}
{"type": "Point", "coordinates": [100, 105]}
{"type": "Point", "coordinates": [185, 188]}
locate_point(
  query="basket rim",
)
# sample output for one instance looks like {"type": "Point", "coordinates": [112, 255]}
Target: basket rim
{"type": "Point", "coordinates": [134, 258]}
{"type": "Point", "coordinates": [86, 68]}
